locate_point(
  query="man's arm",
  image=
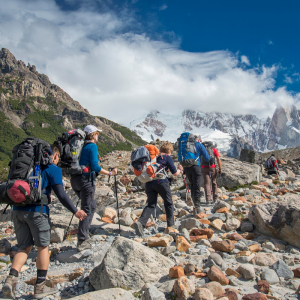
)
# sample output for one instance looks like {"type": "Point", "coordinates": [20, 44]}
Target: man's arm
{"type": "Point", "coordinates": [66, 201]}
{"type": "Point", "coordinates": [201, 151]}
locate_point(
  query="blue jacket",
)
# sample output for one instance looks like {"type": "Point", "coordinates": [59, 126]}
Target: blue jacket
{"type": "Point", "coordinates": [89, 157]}
{"type": "Point", "coordinates": [201, 151]}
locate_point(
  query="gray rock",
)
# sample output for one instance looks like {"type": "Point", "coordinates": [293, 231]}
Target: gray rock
{"type": "Point", "coordinates": [126, 221]}
{"type": "Point", "coordinates": [278, 219]}
{"type": "Point", "coordinates": [234, 281]}
{"type": "Point", "coordinates": [69, 256]}
{"type": "Point", "coordinates": [167, 286]}
{"type": "Point", "coordinates": [168, 250]}
{"type": "Point", "coordinates": [270, 276]}
{"type": "Point", "coordinates": [189, 224]}
{"type": "Point", "coordinates": [246, 226]}
{"type": "Point", "coordinates": [220, 204]}
{"type": "Point", "coordinates": [57, 235]}
{"type": "Point", "coordinates": [282, 269]}
{"type": "Point", "coordinates": [215, 259]}
{"type": "Point", "coordinates": [216, 216]}
{"type": "Point", "coordinates": [129, 264]}
{"type": "Point", "coordinates": [247, 271]}
{"type": "Point", "coordinates": [184, 232]}
{"type": "Point", "coordinates": [4, 246]}
{"type": "Point", "coordinates": [107, 294]}
{"type": "Point", "coordinates": [152, 293]}
{"type": "Point", "coordinates": [253, 192]}
{"type": "Point", "coordinates": [244, 259]}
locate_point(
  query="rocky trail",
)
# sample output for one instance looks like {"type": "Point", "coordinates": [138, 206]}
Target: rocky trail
{"type": "Point", "coordinates": [244, 246]}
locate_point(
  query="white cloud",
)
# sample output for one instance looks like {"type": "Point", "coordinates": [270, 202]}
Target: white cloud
{"type": "Point", "coordinates": [270, 42]}
{"type": "Point", "coordinates": [245, 60]}
{"type": "Point", "coordinates": [163, 7]}
{"type": "Point", "coordinates": [119, 74]}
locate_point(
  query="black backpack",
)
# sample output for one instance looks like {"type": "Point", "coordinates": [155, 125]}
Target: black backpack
{"type": "Point", "coordinates": [209, 148]}
{"type": "Point", "coordinates": [24, 183]}
{"type": "Point", "coordinates": [71, 144]}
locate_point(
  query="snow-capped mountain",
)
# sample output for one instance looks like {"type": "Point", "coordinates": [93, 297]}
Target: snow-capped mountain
{"type": "Point", "coordinates": [231, 132]}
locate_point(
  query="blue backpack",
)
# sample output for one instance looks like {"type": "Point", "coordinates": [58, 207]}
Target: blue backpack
{"type": "Point", "coordinates": [187, 150]}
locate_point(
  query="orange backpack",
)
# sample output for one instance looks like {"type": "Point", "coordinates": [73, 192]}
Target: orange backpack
{"type": "Point", "coordinates": [153, 150]}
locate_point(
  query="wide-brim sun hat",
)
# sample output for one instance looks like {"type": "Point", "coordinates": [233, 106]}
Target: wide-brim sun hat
{"type": "Point", "coordinates": [90, 129]}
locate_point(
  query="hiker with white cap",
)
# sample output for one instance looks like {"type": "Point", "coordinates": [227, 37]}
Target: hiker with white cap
{"type": "Point", "coordinates": [84, 185]}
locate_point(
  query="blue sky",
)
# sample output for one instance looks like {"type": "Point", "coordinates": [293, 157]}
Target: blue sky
{"type": "Point", "coordinates": [226, 56]}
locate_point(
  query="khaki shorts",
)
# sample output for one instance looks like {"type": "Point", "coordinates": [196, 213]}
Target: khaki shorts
{"type": "Point", "coordinates": [32, 228]}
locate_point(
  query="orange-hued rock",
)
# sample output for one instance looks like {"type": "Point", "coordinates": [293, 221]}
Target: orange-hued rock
{"type": "Point", "coordinates": [107, 220]}
{"type": "Point", "coordinates": [208, 232]}
{"type": "Point", "coordinates": [149, 224]}
{"type": "Point", "coordinates": [182, 244]}
{"type": "Point", "coordinates": [230, 272]}
{"type": "Point", "coordinates": [176, 272]}
{"type": "Point", "coordinates": [234, 237]}
{"type": "Point", "coordinates": [224, 246]}
{"type": "Point", "coordinates": [254, 248]}
{"type": "Point", "coordinates": [198, 274]}
{"type": "Point", "coordinates": [197, 238]}
{"type": "Point", "coordinates": [163, 218]}
{"type": "Point", "coordinates": [201, 216]}
{"type": "Point", "coordinates": [255, 296]}
{"type": "Point", "coordinates": [159, 241]}
{"type": "Point", "coordinates": [203, 221]}
{"type": "Point", "coordinates": [239, 199]}
{"type": "Point", "coordinates": [170, 229]}
{"type": "Point", "coordinates": [223, 210]}
{"type": "Point", "coordinates": [215, 274]}
{"type": "Point", "coordinates": [110, 213]}
{"type": "Point", "coordinates": [184, 287]}
{"type": "Point", "coordinates": [263, 286]}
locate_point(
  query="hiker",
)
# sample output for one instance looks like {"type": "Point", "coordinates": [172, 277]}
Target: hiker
{"type": "Point", "coordinates": [84, 184]}
{"type": "Point", "coordinates": [159, 187]}
{"type": "Point", "coordinates": [32, 227]}
{"type": "Point", "coordinates": [272, 165]}
{"type": "Point", "coordinates": [190, 153]}
{"type": "Point", "coordinates": [209, 172]}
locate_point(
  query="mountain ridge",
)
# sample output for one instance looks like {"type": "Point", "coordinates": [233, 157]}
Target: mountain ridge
{"type": "Point", "coordinates": [30, 105]}
{"type": "Point", "coordinates": [231, 132]}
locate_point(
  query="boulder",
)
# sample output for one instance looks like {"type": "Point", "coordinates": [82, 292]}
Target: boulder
{"type": "Point", "coordinates": [263, 286]}
{"type": "Point", "coordinates": [129, 264]}
{"type": "Point", "coordinates": [255, 296]}
{"type": "Point", "coordinates": [232, 224]}
{"type": "Point", "coordinates": [237, 172]}
{"type": "Point", "coordinates": [250, 156]}
{"type": "Point", "coordinates": [247, 270]}
{"type": "Point", "coordinates": [279, 219]}
{"type": "Point", "coordinates": [107, 294]}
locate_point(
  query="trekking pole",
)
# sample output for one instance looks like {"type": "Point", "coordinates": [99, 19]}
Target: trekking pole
{"type": "Point", "coordinates": [117, 204]}
{"type": "Point", "coordinates": [71, 220]}
{"type": "Point", "coordinates": [221, 182]}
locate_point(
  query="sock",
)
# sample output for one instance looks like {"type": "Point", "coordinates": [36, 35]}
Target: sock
{"type": "Point", "coordinates": [14, 272]}
{"type": "Point", "coordinates": [41, 276]}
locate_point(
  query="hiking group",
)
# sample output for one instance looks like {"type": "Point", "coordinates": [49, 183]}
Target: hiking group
{"type": "Point", "coordinates": [195, 158]}
{"type": "Point", "coordinates": [36, 171]}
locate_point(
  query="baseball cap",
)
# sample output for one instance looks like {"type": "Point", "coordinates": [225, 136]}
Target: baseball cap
{"type": "Point", "coordinates": [91, 128]}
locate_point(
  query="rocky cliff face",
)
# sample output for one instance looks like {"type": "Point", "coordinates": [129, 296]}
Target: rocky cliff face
{"type": "Point", "coordinates": [31, 105]}
{"type": "Point", "coordinates": [231, 133]}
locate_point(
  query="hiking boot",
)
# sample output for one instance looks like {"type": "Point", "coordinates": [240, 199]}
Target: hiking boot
{"type": "Point", "coordinates": [139, 228]}
{"type": "Point", "coordinates": [9, 288]}
{"type": "Point", "coordinates": [84, 244]}
{"type": "Point", "coordinates": [41, 290]}
{"type": "Point", "coordinates": [208, 202]}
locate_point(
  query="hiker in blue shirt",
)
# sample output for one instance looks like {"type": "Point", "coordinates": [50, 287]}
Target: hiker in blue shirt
{"type": "Point", "coordinates": [84, 184]}
{"type": "Point", "coordinates": [193, 173]}
{"type": "Point", "coordinates": [32, 227]}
